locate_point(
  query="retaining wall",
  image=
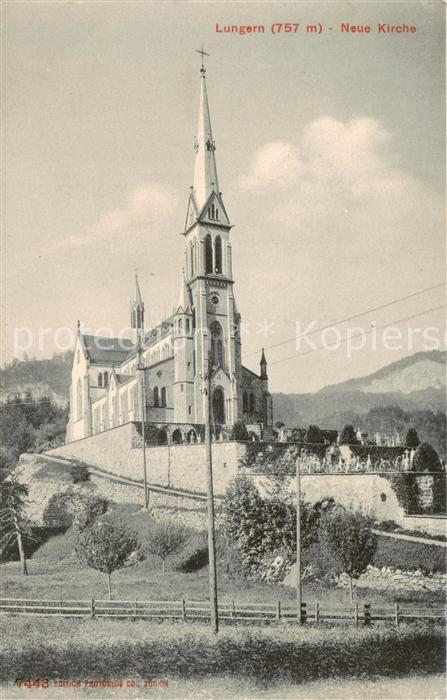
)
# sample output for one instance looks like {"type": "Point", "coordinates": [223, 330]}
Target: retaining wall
{"type": "Point", "coordinates": [176, 466]}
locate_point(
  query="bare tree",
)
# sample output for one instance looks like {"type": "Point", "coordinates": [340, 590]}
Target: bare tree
{"type": "Point", "coordinates": [106, 545]}
{"type": "Point", "coordinates": [14, 524]}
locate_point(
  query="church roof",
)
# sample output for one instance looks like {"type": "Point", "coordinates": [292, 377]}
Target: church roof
{"type": "Point", "coordinates": [104, 350]}
{"type": "Point", "coordinates": [124, 378]}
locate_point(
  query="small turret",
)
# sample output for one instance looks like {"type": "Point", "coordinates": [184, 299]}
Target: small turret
{"type": "Point", "coordinates": [263, 365]}
{"type": "Point", "coordinates": [137, 312]}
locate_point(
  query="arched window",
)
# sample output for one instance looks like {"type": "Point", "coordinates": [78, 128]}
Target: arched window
{"type": "Point", "coordinates": [252, 403]}
{"type": "Point", "coordinates": [220, 357]}
{"type": "Point", "coordinates": [79, 399]}
{"type": "Point", "coordinates": [187, 325]}
{"type": "Point", "coordinates": [208, 255]}
{"type": "Point", "coordinates": [162, 437]}
{"type": "Point", "coordinates": [217, 348]}
{"type": "Point", "coordinates": [106, 379]}
{"type": "Point", "coordinates": [156, 399]}
{"type": "Point", "coordinates": [191, 254]}
{"type": "Point", "coordinates": [177, 437]}
{"type": "Point", "coordinates": [217, 213]}
{"type": "Point", "coordinates": [218, 254]}
{"type": "Point", "coordinates": [180, 325]}
{"type": "Point", "coordinates": [134, 318]}
{"type": "Point", "coordinates": [191, 436]}
{"type": "Point", "coordinates": [163, 396]}
{"type": "Point", "coordinates": [245, 402]}
{"type": "Point", "coordinates": [100, 379]}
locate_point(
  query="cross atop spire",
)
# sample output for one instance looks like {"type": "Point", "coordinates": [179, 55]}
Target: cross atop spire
{"type": "Point", "coordinates": [203, 53]}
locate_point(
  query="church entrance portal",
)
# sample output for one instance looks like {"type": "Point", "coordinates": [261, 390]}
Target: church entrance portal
{"type": "Point", "coordinates": [218, 407]}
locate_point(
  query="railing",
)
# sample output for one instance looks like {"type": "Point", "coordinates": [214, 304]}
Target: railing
{"type": "Point", "coordinates": [199, 610]}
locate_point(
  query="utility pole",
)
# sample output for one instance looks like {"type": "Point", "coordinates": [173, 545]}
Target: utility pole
{"type": "Point", "coordinates": [143, 418]}
{"type": "Point", "coordinates": [298, 540]}
{"type": "Point", "coordinates": [210, 502]}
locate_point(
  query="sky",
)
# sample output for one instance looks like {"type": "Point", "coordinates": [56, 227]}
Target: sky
{"type": "Point", "coordinates": [330, 151]}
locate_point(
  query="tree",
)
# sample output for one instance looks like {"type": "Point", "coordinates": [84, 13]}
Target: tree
{"type": "Point", "coordinates": [351, 540]}
{"type": "Point", "coordinates": [244, 519]}
{"type": "Point", "coordinates": [348, 436]}
{"type": "Point", "coordinates": [240, 432]}
{"type": "Point", "coordinates": [426, 459]}
{"type": "Point", "coordinates": [313, 436]}
{"type": "Point", "coordinates": [412, 439]}
{"type": "Point", "coordinates": [106, 545]}
{"type": "Point", "coordinates": [165, 539]}
{"type": "Point", "coordinates": [259, 526]}
{"type": "Point", "coordinates": [13, 522]}
{"type": "Point", "coordinates": [279, 424]}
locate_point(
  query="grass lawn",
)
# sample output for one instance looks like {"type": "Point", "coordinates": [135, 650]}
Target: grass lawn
{"type": "Point", "coordinates": [68, 579]}
{"type": "Point", "coordinates": [55, 572]}
{"type": "Point", "coordinates": [120, 650]}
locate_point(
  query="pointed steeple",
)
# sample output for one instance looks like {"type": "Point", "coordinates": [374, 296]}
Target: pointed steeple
{"type": "Point", "coordinates": [138, 298]}
{"type": "Point", "coordinates": [137, 309]}
{"type": "Point", "coordinates": [205, 171]}
{"type": "Point", "coordinates": [183, 299]}
{"type": "Point", "coordinates": [263, 365]}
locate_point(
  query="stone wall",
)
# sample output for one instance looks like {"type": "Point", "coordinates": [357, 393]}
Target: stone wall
{"type": "Point", "coordinates": [388, 578]}
{"type": "Point", "coordinates": [176, 466]}
{"type": "Point", "coordinates": [434, 524]}
{"type": "Point", "coordinates": [369, 492]}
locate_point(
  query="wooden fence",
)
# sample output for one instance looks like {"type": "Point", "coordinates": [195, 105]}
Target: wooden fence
{"type": "Point", "coordinates": [199, 610]}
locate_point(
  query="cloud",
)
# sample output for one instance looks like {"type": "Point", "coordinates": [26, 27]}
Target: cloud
{"type": "Point", "coordinates": [147, 205]}
{"type": "Point", "coordinates": [338, 182]}
{"type": "Point", "coordinates": [277, 164]}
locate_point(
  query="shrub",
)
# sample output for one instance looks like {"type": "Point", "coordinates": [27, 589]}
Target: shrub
{"type": "Point", "coordinates": [195, 561]}
{"type": "Point", "coordinates": [240, 432]}
{"type": "Point", "coordinates": [258, 526]}
{"type": "Point", "coordinates": [426, 459]}
{"type": "Point", "coordinates": [313, 435]}
{"type": "Point", "coordinates": [348, 436]}
{"type": "Point", "coordinates": [79, 472]}
{"type": "Point", "coordinates": [406, 488]}
{"type": "Point", "coordinates": [409, 556]}
{"type": "Point", "coordinates": [412, 439]}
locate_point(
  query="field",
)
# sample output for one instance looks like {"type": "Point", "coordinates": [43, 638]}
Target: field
{"type": "Point", "coordinates": [188, 656]}
{"type": "Point", "coordinates": [78, 649]}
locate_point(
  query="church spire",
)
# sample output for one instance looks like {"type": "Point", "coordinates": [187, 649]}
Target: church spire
{"type": "Point", "coordinates": [205, 171]}
{"type": "Point", "coordinates": [137, 309]}
{"type": "Point", "coordinates": [183, 303]}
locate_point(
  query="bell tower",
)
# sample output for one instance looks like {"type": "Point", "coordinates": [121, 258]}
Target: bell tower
{"type": "Point", "coordinates": [209, 276]}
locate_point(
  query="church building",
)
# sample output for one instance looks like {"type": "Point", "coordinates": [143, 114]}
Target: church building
{"type": "Point", "coordinates": [158, 374]}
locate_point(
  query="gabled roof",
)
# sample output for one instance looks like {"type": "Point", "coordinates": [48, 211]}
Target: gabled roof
{"type": "Point", "coordinates": [103, 350]}
{"type": "Point", "coordinates": [214, 198]}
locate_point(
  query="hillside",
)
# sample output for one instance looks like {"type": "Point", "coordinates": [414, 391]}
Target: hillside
{"type": "Point", "coordinates": [406, 393]}
{"type": "Point", "coordinates": [415, 383]}
{"type": "Point", "coordinates": [40, 378]}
